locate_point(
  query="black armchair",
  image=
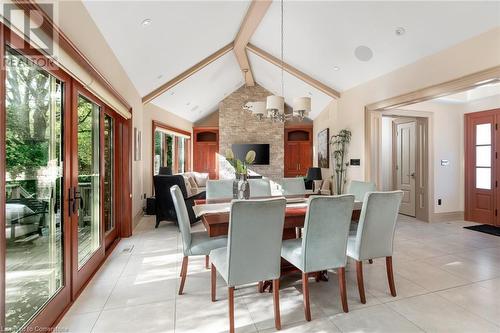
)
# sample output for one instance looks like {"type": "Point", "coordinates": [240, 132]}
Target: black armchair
{"type": "Point", "coordinates": [164, 205]}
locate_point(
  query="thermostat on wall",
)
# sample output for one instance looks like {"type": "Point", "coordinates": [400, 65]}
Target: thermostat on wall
{"type": "Point", "coordinates": [355, 162]}
{"type": "Point", "coordinates": [445, 162]}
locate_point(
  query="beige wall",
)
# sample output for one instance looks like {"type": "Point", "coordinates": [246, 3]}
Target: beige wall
{"type": "Point", "coordinates": [152, 112]}
{"type": "Point", "coordinates": [326, 119]}
{"type": "Point", "coordinates": [470, 56]}
{"type": "Point", "coordinates": [77, 24]}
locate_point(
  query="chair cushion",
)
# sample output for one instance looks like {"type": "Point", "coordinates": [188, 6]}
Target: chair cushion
{"type": "Point", "coordinates": [192, 182]}
{"type": "Point", "coordinates": [218, 257]}
{"type": "Point", "coordinates": [291, 251]}
{"type": "Point", "coordinates": [202, 244]}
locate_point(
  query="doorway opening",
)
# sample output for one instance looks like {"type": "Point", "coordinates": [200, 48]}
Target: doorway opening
{"type": "Point", "coordinates": [444, 107]}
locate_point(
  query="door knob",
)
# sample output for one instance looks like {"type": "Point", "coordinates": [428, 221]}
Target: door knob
{"type": "Point", "coordinates": [412, 175]}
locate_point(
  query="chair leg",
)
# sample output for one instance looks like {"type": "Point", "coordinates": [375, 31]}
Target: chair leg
{"type": "Point", "coordinates": [305, 292]}
{"type": "Point", "coordinates": [361, 286]}
{"type": "Point", "coordinates": [260, 287]}
{"type": "Point", "coordinates": [343, 288]}
{"type": "Point", "coordinates": [370, 261]}
{"type": "Point", "coordinates": [183, 273]}
{"type": "Point", "coordinates": [206, 262]}
{"type": "Point", "coordinates": [276, 300]}
{"type": "Point", "coordinates": [230, 297]}
{"type": "Point", "coordinates": [213, 283]}
{"type": "Point", "coordinates": [390, 275]}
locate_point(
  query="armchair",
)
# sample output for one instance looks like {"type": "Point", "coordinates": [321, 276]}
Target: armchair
{"type": "Point", "coordinates": [165, 209]}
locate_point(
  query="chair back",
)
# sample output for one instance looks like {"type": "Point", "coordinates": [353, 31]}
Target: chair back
{"type": "Point", "coordinates": [326, 230]}
{"type": "Point", "coordinates": [164, 205]}
{"type": "Point", "coordinates": [359, 189]}
{"type": "Point", "coordinates": [254, 240]}
{"type": "Point", "coordinates": [220, 189]}
{"type": "Point", "coordinates": [293, 186]}
{"type": "Point", "coordinates": [182, 216]}
{"type": "Point", "coordinates": [375, 234]}
{"type": "Point", "coordinates": [260, 187]}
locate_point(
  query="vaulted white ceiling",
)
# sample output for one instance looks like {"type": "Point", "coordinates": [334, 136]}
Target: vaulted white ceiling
{"type": "Point", "coordinates": [200, 94]}
{"type": "Point", "coordinates": [319, 35]}
{"type": "Point", "coordinates": [181, 34]}
{"type": "Point", "coordinates": [269, 76]}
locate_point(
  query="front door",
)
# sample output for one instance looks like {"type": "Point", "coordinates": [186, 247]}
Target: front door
{"type": "Point", "coordinates": [405, 165]}
{"type": "Point", "coordinates": [481, 185]}
{"type": "Point", "coordinates": [86, 191]}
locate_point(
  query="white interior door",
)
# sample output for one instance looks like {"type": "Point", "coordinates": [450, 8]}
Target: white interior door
{"type": "Point", "coordinates": [405, 166]}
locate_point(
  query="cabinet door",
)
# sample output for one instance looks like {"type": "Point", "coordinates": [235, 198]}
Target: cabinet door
{"type": "Point", "coordinates": [305, 157]}
{"type": "Point", "coordinates": [211, 159]}
{"type": "Point", "coordinates": [292, 159]}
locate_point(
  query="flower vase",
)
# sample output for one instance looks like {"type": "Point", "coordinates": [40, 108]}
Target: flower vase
{"type": "Point", "coordinates": [243, 188]}
{"type": "Point", "coordinates": [236, 181]}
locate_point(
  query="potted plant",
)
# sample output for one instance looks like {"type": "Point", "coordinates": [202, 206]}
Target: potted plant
{"type": "Point", "coordinates": [339, 143]}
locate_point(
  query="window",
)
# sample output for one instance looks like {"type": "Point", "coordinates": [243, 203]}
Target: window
{"type": "Point", "coordinates": [483, 156]}
{"type": "Point", "coordinates": [170, 151]}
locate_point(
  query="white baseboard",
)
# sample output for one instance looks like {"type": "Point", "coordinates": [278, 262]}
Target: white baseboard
{"type": "Point", "coordinates": [137, 218]}
{"type": "Point", "coordinates": [447, 217]}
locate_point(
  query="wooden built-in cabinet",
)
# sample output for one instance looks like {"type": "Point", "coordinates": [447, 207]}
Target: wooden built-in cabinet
{"type": "Point", "coordinates": [205, 151]}
{"type": "Point", "coordinates": [298, 150]}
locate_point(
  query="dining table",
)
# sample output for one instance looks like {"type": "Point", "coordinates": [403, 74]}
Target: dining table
{"type": "Point", "coordinates": [214, 214]}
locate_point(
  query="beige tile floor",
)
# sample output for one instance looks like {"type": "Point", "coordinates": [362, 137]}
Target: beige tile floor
{"type": "Point", "coordinates": [447, 279]}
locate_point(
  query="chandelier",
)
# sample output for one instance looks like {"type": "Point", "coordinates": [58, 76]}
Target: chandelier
{"type": "Point", "coordinates": [274, 107]}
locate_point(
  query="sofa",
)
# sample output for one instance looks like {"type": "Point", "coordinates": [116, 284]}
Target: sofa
{"type": "Point", "coordinates": [197, 180]}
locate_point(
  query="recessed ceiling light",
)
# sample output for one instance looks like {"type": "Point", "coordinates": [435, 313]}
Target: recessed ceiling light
{"type": "Point", "coordinates": [400, 31]}
{"type": "Point", "coordinates": [146, 22]}
{"type": "Point", "coordinates": [363, 53]}
{"type": "Point", "coordinates": [159, 76]}
{"type": "Point", "coordinates": [310, 93]}
{"type": "Point", "coordinates": [188, 103]}
{"type": "Point", "coordinates": [172, 93]}
{"type": "Point", "coordinates": [336, 68]}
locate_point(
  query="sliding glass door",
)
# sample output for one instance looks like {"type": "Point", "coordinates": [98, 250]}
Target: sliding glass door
{"type": "Point", "coordinates": [34, 167]}
{"type": "Point", "coordinates": [86, 190]}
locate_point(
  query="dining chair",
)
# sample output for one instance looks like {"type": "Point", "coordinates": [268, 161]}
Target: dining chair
{"type": "Point", "coordinates": [359, 189]}
{"type": "Point", "coordinates": [219, 189]}
{"type": "Point", "coordinates": [375, 234]}
{"type": "Point", "coordinates": [194, 243]}
{"type": "Point", "coordinates": [293, 186]}
{"type": "Point", "coordinates": [260, 187]}
{"type": "Point", "coordinates": [323, 244]}
{"type": "Point", "coordinates": [253, 249]}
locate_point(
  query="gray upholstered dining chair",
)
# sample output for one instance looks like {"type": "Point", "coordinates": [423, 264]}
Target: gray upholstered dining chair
{"type": "Point", "coordinates": [260, 187]}
{"type": "Point", "coordinates": [253, 249]}
{"type": "Point", "coordinates": [359, 189]}
{"type": "Point", "coordinates": [193, 243]}
{"type": "Point", "coordinates": [375, 235]}
{"type": "Point", "coordinates": [219, 189]}
{"type": "Point", "coordinates": [293, 186]}
{"type": "Point", "coordinates": [323, 244]}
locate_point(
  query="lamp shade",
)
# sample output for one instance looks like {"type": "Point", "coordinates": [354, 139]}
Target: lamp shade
{"type": "Point", "coordinates": [259, 108]}
{"type": "Point", "coordinates": [314, 174]}
{"type": "Point", "coordinates": [301, 105]}
{"type": "Point", "coordinates": [275, 103]}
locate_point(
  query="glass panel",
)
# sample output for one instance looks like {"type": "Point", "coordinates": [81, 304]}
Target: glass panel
{"type": "Point", "coordinates": [164, 147]}
{"type": "Point", "coordinates": [181, 156]}
{"type": "Point", "coordinates": [483, 134]}
{"type": "Point", "coordinates": [483, 156]}
{"type": "Point", "coordinates": [34, 183]}
{"type": "Point", "coordinates": [88, 179]}
{"type": "Point", "coordinates": [483, 178]}
{"type": "Point", "coordinates": [109, 164]}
